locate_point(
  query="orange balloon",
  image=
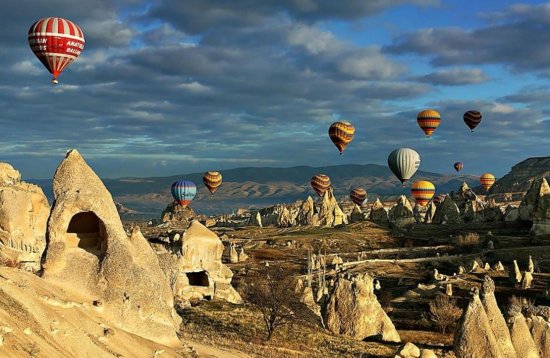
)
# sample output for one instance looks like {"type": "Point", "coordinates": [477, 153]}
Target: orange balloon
{"type": "Point", "coordinates": [423, 191]}
{"type": "Point", "coordinates": [487, 180]}
{"type": "Point", "coordinates": [212, 181]}
{"type": "Point", "coordinates": [341, 134]}
{"type": "Point", "coordinates": [320, 183]}
{"type": "Point", "coordinates": [428, 120]}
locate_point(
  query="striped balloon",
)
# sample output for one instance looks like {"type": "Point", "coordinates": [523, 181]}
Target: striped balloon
{"type": "Point", "coordinates": [487, 180]}
{"type": "Point", "coordinates": [212, 180]}
{"type": "Point", "coordinates": [341, 134]}
{"type": "Point", "coordinates": [184, 191]}
{"type": "Point", "coordinates": [422, 191]}
{"type": "Point", "coordinates": [56, 42]}
{"type": "Point", "coordinates": [428, 120]}
{"type": "Point", "coordinates": [458, 166]}
{"type": "Point", "coordinates": [404, 162]}
{"type": "Point", "coordinates": [472, 119]}
{"type": "Point", "coordinates": [320, 183]}
{"type": "Point", "coordinates": [358, 196]}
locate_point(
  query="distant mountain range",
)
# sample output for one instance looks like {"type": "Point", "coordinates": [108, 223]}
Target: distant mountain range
{"type": "Point", "coordinates": [263, 186]}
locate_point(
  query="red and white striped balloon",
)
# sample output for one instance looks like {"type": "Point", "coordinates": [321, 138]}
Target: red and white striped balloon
{"type": "Point", "coordinates": [56, 42]}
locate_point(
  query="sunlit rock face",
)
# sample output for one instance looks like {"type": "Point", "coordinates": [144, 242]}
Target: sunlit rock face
{"type": "Point", "coordinates": [24, 212]}
{"type": "Point", "coordinates": [89, 253]}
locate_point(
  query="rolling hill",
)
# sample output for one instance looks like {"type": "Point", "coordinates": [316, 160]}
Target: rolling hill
{"type": "Point", "coordinates": [264, 186]}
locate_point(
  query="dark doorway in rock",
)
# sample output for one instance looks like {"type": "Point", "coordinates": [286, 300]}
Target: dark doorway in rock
{"type": "Point", "coordinates": [198, 278]}
{"type": "Point", "coordinates": [87, 231]}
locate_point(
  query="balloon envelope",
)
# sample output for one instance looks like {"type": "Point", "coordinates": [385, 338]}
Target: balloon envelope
{"type": "Point", "coordinates": [422, 191]}
{"type": "Point", "coordinates": [358, 196]}
{"type": "Point", "coordinates": [472, 119]}
{"type": "Point", "coordinates": [428, 120]}
{"type": "Point", "coordinates": [458, 166]}
{"type": "Point", "coordinates": [341, 134]}
{"type": "Point", "coordinates": [487, 180]}
{"type": "Point", "coordinates": [212, 181]}
{"type": "Point", "coordinates": [56, 42]}
{"type": "Point", "coordinates": [404, 162]}
{"type": "Point", "coordinates": [320, 183]}
{"type": "Point", "coordinates": [184, 191]}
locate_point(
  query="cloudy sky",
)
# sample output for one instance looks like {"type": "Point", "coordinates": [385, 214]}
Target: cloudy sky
{"type": "Point", "coordinates": [177, 86]}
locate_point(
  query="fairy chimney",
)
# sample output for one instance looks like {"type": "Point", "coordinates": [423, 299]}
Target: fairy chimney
{"type": "Point", "coordinates": [88, 252]}
{"type": "Point", "coordinates": [201, 271]}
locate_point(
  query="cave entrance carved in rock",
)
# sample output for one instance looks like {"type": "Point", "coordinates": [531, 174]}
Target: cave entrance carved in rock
{"type": "Point", "coordinates": [86, 231]}
{"type": "Point", "coordinates": [198, 278]}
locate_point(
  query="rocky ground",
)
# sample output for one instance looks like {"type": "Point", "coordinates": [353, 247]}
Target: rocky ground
{"type": "Point", "coordinates": [403, 263]}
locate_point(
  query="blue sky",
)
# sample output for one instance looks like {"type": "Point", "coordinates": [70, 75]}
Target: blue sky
{"type": "Point", "coordinates": [170, 86]}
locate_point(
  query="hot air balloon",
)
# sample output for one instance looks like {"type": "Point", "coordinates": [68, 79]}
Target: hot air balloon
{"type": "Point", "coordinates": [428, 120]}
{"type": "Point", "coordinates": [358, 196]}
{"type": "Point", "coordinates": [184, 191]}
{"type": "Point", "coordinates": [472, 119]}
{"type": "Point", "coordinates": [320, 183]}
{"type": "Point", "coordinates": [56, 42]}
{"type": "Point", "coordinates": [341, 134]}
{"type": "Point", "coordinates": [404, 162]}
{"type": "Point", "coordinates": [487, 180]}
{"type": "Point", "coordinates": [458, 166]}
{"type": "Point", "coordinates": [422, 191]}
{"type": "Point", "coordinates": [212, 180]}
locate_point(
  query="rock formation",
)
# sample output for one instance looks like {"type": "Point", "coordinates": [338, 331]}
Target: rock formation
{"type": "Point", "coordinates": [356, 214]}
{"type": "Point", "coordinates": [89, 253]}
{"type": "Point", "coordinates": [541, 211]}
{"type": "Point", "coordinates": [353, 310]}
{"type": "Point", "coordinates": [401, 214]}
{"type": "Point", "coordinates": [527, 280]}
{"type": "Point", "coordinates": [511, 214]}
{"type": "Point", "coordinates": [447, 212]}
{"type": "Point", "coordinates": [496, 319]}
{"type": "Point", "coordinates": [200, 271]}
{"type": "Point", "coordinates": [24, 212]}
{"type": "Point", "coordinates": [233, 255]}
{"type": "Point", "coordinates": [517, 276]}
{"type": "Point", "coordinates": [539, 188]}
{"type": "Point", "coordinates": [467, 202]}
{"type": "Point", "coordinates": [178, 215]}
{"type": "Point", "coordinates": [522, 174]}
{"type": "Point", "coordinates": [409, 350]}
{"type": "Point", "coordinates": [242, 255]}
{"type": "Point", "coordinates": [306, 213]}
{"type": "Point", "coordinates": [378, 213]}
{"type": "Point", "coordinates": [430, 213]}
{"type": "Point", "coordinates": [330, 214]}
{"type": "Point", "coordinates": [540, 331]}
{"type": "Point", "coordinates": [327, 213]}
{"type": "Point", "coordinates": [531, 265]}
{"type": "Point", "coordinates": [521, 337]}
{"type": "Point", "coordinates": [474, 336]}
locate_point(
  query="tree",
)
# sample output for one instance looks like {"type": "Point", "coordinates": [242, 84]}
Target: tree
{"type": "Point", "coordinates": [273, 294]}
{"type": "Point", "coordinates": [444, 312]}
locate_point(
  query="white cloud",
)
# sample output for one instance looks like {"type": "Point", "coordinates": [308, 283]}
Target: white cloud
{"type": "Point", "coordinates": [195, 87]}
{"type": "Point", "coordinates": [501, 108]}
{"type": "Point", "coordinates": [33, 68]}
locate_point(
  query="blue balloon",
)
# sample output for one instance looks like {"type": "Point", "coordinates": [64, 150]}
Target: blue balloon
{"type": "Point", "coordinates": [184, 191]}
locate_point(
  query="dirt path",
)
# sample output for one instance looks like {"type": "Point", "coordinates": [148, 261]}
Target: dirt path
{"type": "Point", "coordinates": [207, 351]}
